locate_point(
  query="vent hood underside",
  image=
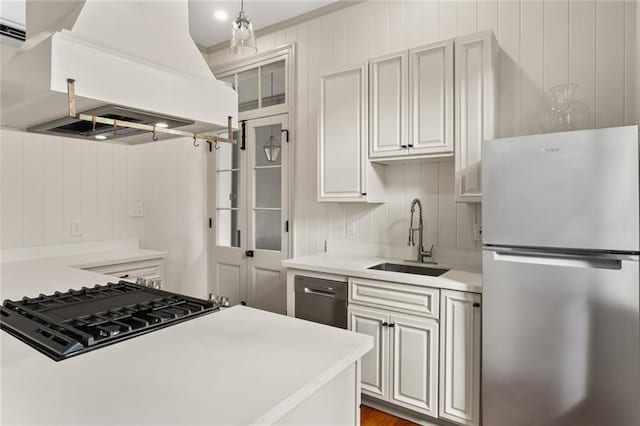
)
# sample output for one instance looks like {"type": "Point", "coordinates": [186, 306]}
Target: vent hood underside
{"type": "Point", "coordinates": [151, 74]}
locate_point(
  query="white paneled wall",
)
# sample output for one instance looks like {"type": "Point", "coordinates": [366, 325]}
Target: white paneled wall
{"type": "Point", "coordinates": [169, 177]}
{"type": "Point", "coordinates": [46, 182]}
{"type": "Point", "coordinates": [545, 43]}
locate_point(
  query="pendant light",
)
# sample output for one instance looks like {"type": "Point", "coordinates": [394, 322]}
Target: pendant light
{"type": "Point", "coordinates": [272, 145]}
{"type": "Point", "coordinates": [243, 39]}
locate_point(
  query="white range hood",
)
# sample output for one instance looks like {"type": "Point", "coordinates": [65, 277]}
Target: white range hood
{"type": "Point", "coordinates": [132, 54]}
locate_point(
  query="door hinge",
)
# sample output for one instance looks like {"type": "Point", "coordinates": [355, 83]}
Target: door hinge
{"type": "Point", "coordinates": [286, 226]}
{"type": "Point", "coordinates": [210, 223]}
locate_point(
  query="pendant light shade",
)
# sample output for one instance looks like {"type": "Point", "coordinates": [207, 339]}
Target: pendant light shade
{"type": "Point", "coordinates": [272, 149]}
{"type": "Point", "coordinates": [243, 39]}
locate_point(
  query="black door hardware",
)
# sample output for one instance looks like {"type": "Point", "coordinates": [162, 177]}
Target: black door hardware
{"type": "Point", "coordinates": [249, 253]}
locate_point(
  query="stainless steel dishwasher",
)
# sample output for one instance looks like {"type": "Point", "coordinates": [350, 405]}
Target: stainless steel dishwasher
{"type": "Point", "coordinates": [321, 300]}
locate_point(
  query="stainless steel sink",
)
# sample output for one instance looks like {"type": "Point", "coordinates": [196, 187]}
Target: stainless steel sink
{"type": "Point", "coordinates": [409, 269]}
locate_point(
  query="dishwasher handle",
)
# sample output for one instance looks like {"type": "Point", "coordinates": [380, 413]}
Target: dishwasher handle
{"type": "Point", "coordinates": [312, 286]}
{"type": "Point", "coordinates": [330, 292]}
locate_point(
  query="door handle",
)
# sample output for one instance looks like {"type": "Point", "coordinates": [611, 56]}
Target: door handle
{"type": "Point", "coordinates": [249, 253]}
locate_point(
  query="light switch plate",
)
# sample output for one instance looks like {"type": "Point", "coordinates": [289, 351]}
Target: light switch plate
{"type": "Point", "coordinates": [136, 209]}
{"type": "Point", "coordinates": [76, 228]}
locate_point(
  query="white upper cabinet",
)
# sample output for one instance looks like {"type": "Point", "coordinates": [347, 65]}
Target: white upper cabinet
{"type": "Point", "coordinates": [475, 110]}
{"type": "Point", "coordinates": [388, 97]}
{"type": "Point", "coordinates": [431, 99]}
{"type": "Point", "coordinates": [345, 174]}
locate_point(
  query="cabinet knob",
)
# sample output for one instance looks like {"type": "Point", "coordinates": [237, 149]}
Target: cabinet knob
{"type": "Point", "coordinates": [403, 146]}
{"type": "Point", "coordinates": [384, 324]}
{"type": "Point", "coordinates": [476, 305]}
{"type": "Point", "coordinates": [392, 324]}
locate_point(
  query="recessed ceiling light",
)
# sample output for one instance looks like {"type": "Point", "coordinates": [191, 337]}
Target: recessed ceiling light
{"type": "Point", "coordinates": [162, 124]}
{"type": "Point", "coordinates": [100, 137]}
{"type": "Point", "coordinates": [221, 15]}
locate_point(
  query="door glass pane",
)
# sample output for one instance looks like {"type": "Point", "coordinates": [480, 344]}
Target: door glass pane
{"type": "Point", "coordinates": [268, 136]}
{"type": "Point", "coordinates": [229, 81]}
{"type": "Point", "coordinates": [268, 187]}
{"type": "Point", "coordinates": [273, 84]}
{"type": "Point", "coordinates": [267, 229]}
{"type": "Point", "coordinates": [228, 189]}
{"type": "Point", "coordinates": [228, 154]}
{"type": "Point", "coordinates": [227, 228]}
{"type": "Point", "coordinates": [248, 90]}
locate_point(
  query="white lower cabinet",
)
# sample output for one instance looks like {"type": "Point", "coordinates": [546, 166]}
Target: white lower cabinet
{"type": "Point", "coordinates": [150, 269]}
{"type": "Point", "coordinates": [414, 371]}
{"type": "Point", "coordinates": [460, 323]}
{"type": "Point", "coordinates": [427, 364]}
{"type": "Point", "coordinates": [375, 364]}
{"type": "Point", "coordinates": [402, 367]}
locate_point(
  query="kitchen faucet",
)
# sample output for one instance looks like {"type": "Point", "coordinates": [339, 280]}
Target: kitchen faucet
{"type": "Point", "coordinates": [422, 254]}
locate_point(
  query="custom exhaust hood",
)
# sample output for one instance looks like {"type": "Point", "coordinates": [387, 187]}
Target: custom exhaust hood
{"type": "Point", "coordinates": [114, 71]}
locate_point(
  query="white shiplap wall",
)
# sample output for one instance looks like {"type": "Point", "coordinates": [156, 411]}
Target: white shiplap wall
{"type": "Point", "coordinates": [544, 43]}
{"type": "Point", "coordinates": [170, 179]}
{"type": "Point", "coordinates": [48, 181]}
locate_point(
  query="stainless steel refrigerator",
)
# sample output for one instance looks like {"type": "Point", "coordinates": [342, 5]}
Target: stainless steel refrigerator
{"type": "Point", "coordinates": [560, 321]}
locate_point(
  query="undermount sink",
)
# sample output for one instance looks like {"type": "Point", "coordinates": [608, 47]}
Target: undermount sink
{"type": "Point", "coordinates": [409, 269]}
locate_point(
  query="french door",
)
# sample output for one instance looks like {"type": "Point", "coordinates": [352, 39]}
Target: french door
{"type": "Point", "coordinates": [250, 223]}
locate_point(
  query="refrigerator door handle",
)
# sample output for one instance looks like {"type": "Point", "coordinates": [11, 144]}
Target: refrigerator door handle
{"type": "Point", "coordinates": [571, 261]}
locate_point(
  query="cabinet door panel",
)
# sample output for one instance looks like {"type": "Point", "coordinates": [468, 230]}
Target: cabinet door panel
{"type": "Point", "coordinates": [414, 344]}
{"type": "Point", "coordinates": [460, 357]}
{"type": "Point", "coordinates": [474, 110]}
{"type": "Point", "coordinates": [343, 133]}
{"type": "Point", "coordinates": [374, 371]}
{"type": "Point", "coordinates": [388, 96]}
{"type": "Point", "coordinates": [431, 88]}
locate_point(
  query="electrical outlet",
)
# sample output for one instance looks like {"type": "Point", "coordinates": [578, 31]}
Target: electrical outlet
{"type": "Point", "coordinates": [136, 210]}
{"type": "Point", "coordinates": [76, 228]}
{"type": "Point", "coordinates": [477, 232]}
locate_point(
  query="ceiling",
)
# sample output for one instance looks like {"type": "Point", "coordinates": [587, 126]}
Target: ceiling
{"type": "Point", "coordinates": [207, 31]}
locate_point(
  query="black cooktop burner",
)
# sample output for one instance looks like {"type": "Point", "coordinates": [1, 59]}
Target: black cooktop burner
{"type": "Point", "coordinates": [62, 325]}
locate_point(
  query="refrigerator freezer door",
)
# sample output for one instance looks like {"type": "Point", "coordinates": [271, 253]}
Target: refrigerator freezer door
{"type": "Point", "coordinates": [563, 190]}
{"type": "Point", "coordinates": [560, 340]}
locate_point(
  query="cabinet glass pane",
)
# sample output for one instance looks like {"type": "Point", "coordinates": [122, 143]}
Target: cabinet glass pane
{"type": "Point", "coordinates": [273, 84]}
{"type": "Point", "coordinates": [267, 229]}
{"type": "Point", "coordinates": [228, 154]}
{"type": "Point", "coordinates": [227, 228]}
{"type": "Point", "coordinates": [229, 81]}
{"type": "Point", "coordinates": [268, 187]}
{"type": "Point", "coordinates": [227, 189]}
{"type": "Point", "coordinates": [263, 135]}
{"type": "Point", "coordinates": [248, 90]}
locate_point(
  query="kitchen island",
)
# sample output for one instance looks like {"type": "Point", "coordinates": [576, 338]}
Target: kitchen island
{"type": "Point", "coordinates": [236, 366]}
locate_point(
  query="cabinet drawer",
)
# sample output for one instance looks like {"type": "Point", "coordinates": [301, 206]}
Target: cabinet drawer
{"type": "Point", "coordinates": [149, 269]}
{"type": "Point", "coordinates": [423, 301]}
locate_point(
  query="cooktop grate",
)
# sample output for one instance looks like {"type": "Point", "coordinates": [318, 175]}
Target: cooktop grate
{"type": "Point", "coordinates": [62, 325]}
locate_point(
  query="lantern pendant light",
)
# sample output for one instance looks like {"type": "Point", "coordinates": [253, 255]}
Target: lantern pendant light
{"type": "Point", "coordinates": [243, 39]}
{"type": "Point", "coordinates": [272, 145]}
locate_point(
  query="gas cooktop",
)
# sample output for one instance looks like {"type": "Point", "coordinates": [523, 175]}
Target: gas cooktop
{"type": "Point", "coordinates": [62, 325]}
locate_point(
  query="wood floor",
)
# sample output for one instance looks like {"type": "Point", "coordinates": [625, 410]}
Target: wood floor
{"type": "Point", "coordinates": [372, 417]}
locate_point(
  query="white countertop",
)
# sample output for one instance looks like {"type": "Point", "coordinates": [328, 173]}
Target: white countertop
{"type": "Point", "coordinates": [237, 366]}
{"type": "Point", "coordinates": [356, 266]}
